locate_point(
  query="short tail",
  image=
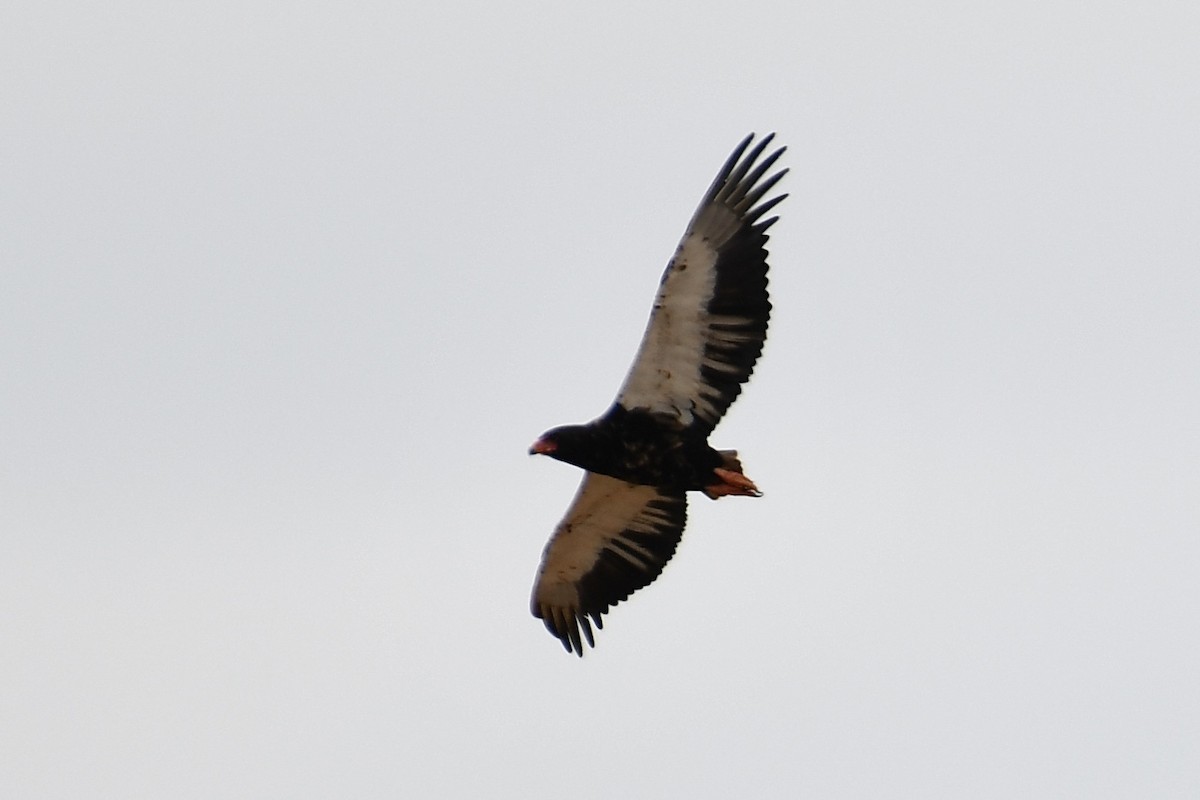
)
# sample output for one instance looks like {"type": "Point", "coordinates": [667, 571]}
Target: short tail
{"type": "Point", "coordinates": [730, 479]}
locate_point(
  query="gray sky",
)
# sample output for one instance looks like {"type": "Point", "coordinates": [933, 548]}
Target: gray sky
{"type": "Point", "coordinates": [287, 291]}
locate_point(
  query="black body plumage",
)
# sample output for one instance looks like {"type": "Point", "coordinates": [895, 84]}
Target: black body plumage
{"type": "Point", "coordinates": [639, 447]}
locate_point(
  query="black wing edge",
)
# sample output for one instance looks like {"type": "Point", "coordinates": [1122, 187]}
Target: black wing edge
{"type": "Point", "coordinates": [741, 291]}
{"type": "Point", "coordinates": [614, 578]}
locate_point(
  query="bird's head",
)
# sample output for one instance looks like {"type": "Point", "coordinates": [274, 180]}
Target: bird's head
{"type": "Point", "coordinates": [568, 443]}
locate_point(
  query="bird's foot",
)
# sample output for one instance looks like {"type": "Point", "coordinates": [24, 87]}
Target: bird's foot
{"type": "Point", "coordinates": [732, 484]}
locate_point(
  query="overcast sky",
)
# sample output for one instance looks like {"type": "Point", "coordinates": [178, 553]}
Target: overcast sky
{"type": "Point", "coordinates": [287, 290]}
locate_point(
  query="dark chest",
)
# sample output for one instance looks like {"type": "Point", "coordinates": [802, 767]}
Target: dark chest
{"type": "Point", "coordinates": [640, 449]}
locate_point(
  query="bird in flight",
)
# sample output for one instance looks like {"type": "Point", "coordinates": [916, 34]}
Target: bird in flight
{"type": "Point", "coordinates": [705, 333]}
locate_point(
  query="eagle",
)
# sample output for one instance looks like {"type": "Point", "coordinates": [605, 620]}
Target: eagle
{"type": "Point", "coordinates": [650, 448]}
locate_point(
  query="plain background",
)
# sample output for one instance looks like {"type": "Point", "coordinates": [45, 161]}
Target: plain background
{"type": "Point", "coordinates": [288, 289]}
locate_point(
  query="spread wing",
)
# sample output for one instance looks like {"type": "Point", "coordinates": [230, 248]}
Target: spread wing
{"type": "Point", "coordinates": [710, 316]}
{"type": "Point", "coordinates": [615, 539]}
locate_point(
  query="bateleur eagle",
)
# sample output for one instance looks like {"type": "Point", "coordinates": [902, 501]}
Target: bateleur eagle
{"type": "Point", "coordinates": [650, 448]}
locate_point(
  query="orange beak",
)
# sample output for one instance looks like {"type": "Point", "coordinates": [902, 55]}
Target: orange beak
{"type": "Point", "coordinates": [541, 447]}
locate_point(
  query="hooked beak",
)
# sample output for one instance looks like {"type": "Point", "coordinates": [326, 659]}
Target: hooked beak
{"type": "Point", "coordinates": [541, 447]}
